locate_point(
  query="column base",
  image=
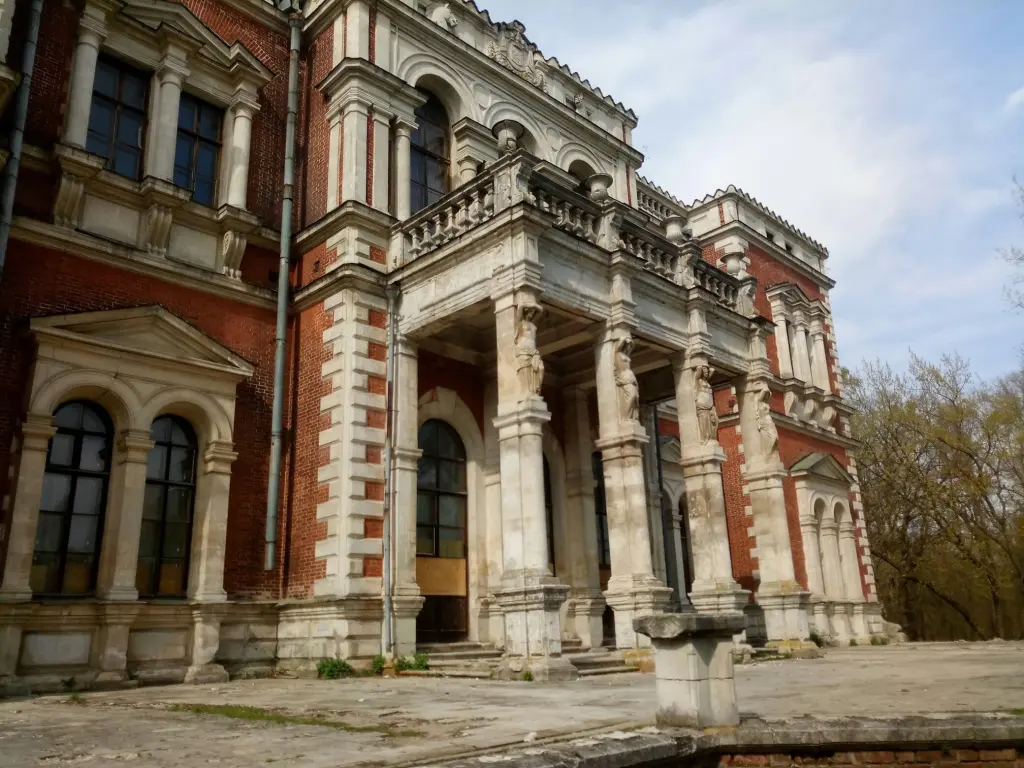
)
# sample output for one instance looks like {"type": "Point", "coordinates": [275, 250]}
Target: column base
{"type": "Point", "coordinates": [531, 615]}
{"type": "Point", "coordinates": [842, 632]}
{"type": "Point", "coordinates": [817, 618]}
{"type": "Point", "coordinates": [859, 623]}
{"type": "Point", "coordinates": [206, 673]}
{"type": "Point", "coordinates": [588, 612]}
{"type": "Point", "coordinates": [544, 669]}
{"type": "Point", "coordinates": [406, 608]}
{"type": "Point", "coordinates": [634, 602]}
{"type": "Point", "coordinates": [719, 597]}
{"type": "Point", "coordinates": [785, 615]}
{"type": "Point", "coordinates": [15, 595]}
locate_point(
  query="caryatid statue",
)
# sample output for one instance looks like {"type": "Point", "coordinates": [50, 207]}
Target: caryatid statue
{"type": "Point", "coordinates": [704, 399]}
{"type": "Point", "coordinates": [766, 424]}
{"type": "Point", "coordinates": [625, 380]}
{"type": "Point", "coordinates": [529, 365]}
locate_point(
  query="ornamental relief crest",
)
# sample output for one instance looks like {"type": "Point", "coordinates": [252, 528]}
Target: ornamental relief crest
{"type": "Point", "coordinates": [514, 53]}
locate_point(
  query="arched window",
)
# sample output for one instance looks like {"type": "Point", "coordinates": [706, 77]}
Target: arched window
{"type": "Point", "coordinates": [604, 555]}
{"type": "Point", "coordinates": [167, 511]}
{"type": "Point", "coordinates": [549, 514]}
{"type": "Point", "coordinates": [74, 500]}
{"type": "Point", "coordinates": [430, 156]}
{"type": "Point", "coordinates": [441, 493]}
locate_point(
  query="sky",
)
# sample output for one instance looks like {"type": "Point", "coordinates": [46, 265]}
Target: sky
{"type": "Point", "coordinates": [888, 130]}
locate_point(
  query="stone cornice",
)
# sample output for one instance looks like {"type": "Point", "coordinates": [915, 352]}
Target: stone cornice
{"type": "Point", "coordinates": [351, 213]}
{"type": "Point", "coordinates": [356, 276]}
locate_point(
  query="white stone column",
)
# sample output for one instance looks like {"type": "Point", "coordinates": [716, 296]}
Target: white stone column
{"type": "Point", "coordinates": [530, 596]}
{"type": "Point", "coordinates": [36, 432]}
{"type": "Point", "coordinates": [779, 595]}
{"type": "Point", "coordinates": [849, 562]}
{"type": "Point", "coordinates": [782, 342]}
{"type": "Point", "coordinates": [381, 159]}
{"type": "Point", "coordinates": [654, 501]}
{"type": "Point", "coordinates": [831, 566]}
{"type": "Point", "coordinates": [210, 525]}
{"type": "Point", "coordinates": [108, 654]}
{"type": "Point", "coordinates": [240, 143]}
{"type": "Point", "coordinates": [170, 76]}
{"type": "Point", "coordinates": [701, 457]}
{"type": "Point", "coordinates": [92, 30]}
{"type": "Point", "coordinates": [403, 169]}
{"type": "Point", "coordinates": [581, 521]}
{"type": "Point", "coordinates": [812, 555]}
{"type": "Point", "coordinates": [122, 528]}
{"type": "Point", "coordinates": [820, 367]}
{"type": "Point", "coordinates": [801, 358]}
{"type": "Point", "coordinates": [633, 590]}
{"type": "Point", "coordinates": [492, 506]}
{"type": "Point", "coordinates": [406, 594]}
{"type": "Point", "coordinates": [355, 119]}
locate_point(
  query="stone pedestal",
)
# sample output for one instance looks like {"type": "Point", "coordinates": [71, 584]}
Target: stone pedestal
{"type": "Point", "coordinates": [588, 611]}
{"type": "Point", "coordinates": [110, 645]}
{"type": "Point", "coordinates": [405, 609]}
{"type": "Point", "coordinates": [205, 643]}
{"type": "Point", "coordinates": [532, 633]}
{"type": "Point", "coordinates": [694, 668]}
{"type": "Point", "coordinates": [817, 617]}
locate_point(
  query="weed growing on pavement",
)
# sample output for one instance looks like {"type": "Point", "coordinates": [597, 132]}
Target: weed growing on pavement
{"type": "Point", "coordinates": [258, 714]}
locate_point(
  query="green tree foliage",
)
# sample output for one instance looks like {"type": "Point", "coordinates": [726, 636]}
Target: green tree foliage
{"type": "Point", "coordinates": [941, 467]}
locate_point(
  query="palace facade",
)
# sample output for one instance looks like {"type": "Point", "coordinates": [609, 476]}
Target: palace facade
{"type": "Point", "coordinates": [529, 395]}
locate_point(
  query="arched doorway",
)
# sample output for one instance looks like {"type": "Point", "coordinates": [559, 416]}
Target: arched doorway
{"type": "Point", "coordinates": [441, 541]}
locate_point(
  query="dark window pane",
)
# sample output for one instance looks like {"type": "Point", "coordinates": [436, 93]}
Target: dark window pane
{"type": "Point", "coordinates": [62, 450]}
{"type": "Point", "coordinates": [92, 421]}
{"type": "Point", "coordinates": [45, 573]}
{"type": "Point", "coordinates": [97, 144]}
{"type": "Point", "coordinates": [427, 438]}
{"type": "Point", "coordinates": [209, 124]}
{"type": "Point", "coordinates": [206, 161]}
{"type": "Point", "coordinates": [106, 80]}
{"type": "Point", "coordinates": [427, 474]}
{"type": "Point", "coordinates": [78, 574]}
{"type": "Point", "coordinates": [172, 579]}
{"type": "Point", "coordinates": [95, 453]}
{"type": "Point", "coordinates": [182, 460]}
{"type": "Point", "coordinates": [69, 416]}
{"type": "Point", "coordinates": [417, 198]}
{"type": "Point", "coordinates": [183, 154]}
{"type": "Point", "coordinates": [126, 163]}
{"type": "Point", "coordinates": [156, 468]}
{"type": "Point", "coordinates": [177, 435]}
{"type": "Point", "coordinates": [144, 576]}
{"type": "Point", "coordinates": [203, 193]}
{"type": "Point", "coordinates": [162, 430]}
{"type": "Point", "coordinates": [56, 492]}
{"type": "Point", "coordinates": [418, 168]}
{"type": "Point", "coordinates": [149, 539]}
{"type": "Point", "coordinates": [49, 533]}
{"type": "Point", "coordinates": [179, 505]}
{"type": "Point", "coordinates": [89, 495]}
{"type": "Point", "coordinates": [175, 540]}
{"type": "Point", "coordinates": [450, 511]}
{"type": "Point", "coordinates": [424, 540]}
{"type": "Point", "coordinates": [153, 505]}
{"type": "Point", "coordinates": [182, 177]}
{"type": "Point", "coordinates": [451, 476]}
{"type": "Point", "coordinates": [424, 508]}
{"type": "Point", "coordinates": [101, 119]}
{"type": "Point", "coordinates": [187, 114]}
{"type": "Point", "coordinates": [450, 543]}
{"type": "Point", "coordinates": [133, 91]}
{"type": "Point", "coordinates": [437, 175]}
{"type": "Point", "coordinates": [129, 128]}
{"type": "Point", "coordinates": [82, 534]}
{"type": "Point", "coordinates": [448, 444]}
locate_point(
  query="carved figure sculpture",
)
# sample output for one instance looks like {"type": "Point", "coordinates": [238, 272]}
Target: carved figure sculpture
{"type": "Point", "coordinates": [745, 298]}
{"type": "Point", "coordinates": [515, 53]}
{"type": "Point", "coordinates": [442, 15]}
{"type": "Point", "coordinates": [766, 424]}
{"type": "Point", "coordinates": [704, 398]}
{"type": "Point", "coordinates": [625, 380]}
{"type": "Point", "coordinates": [529, 365]}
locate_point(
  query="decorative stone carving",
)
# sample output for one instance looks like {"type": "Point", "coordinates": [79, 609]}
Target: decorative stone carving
{"type": "Point", "coordinates": [76, 167]}
{"type": "Point", "coordinates": [625, 380]}
{"type": "Point", "coordinates": [597, 186]}
{"type": "Point", "coordinates": [442, 15]}
{"type": "Point", "coordinates": [704, 399]}
{"type": "Point", "coordinates": [508, 133]}
{"type": "Point", "coordinates": [529, 365]}
{"type": "Point", "coordinates": [745, 297]}
{"type": "Point", "coordinates": [232, 248]}
{"type": "Point", "coordinates": [156, 230]}
{"type": "Point", "coordinates": [766, 425]}
{"type": "Point", "coordinates": [236, 225]}
{"type": "Point", "coordinates": [514, 53]}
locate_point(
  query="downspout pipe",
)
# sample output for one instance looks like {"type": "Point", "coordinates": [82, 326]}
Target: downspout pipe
{"type": "Point", "coordinates": [10, 182]}
{"type": "Point", "coordinates": [394, 294]}
{"type": "Point", "coordinates": [277, 424]}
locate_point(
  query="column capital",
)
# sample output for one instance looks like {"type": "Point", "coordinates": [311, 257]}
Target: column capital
{"type": "Point", "coordinates": [133, 446]}
{"type": "Point", "coordinates": [94, 18]}
{"type": "Point", "coordinates": [173, 69]}
{"type": "Point", "coordinates": [36, 431]}
{"type": "Point", "coordinates": [245, 104]}
{"type": "Point", "coordinates": [218, 457]}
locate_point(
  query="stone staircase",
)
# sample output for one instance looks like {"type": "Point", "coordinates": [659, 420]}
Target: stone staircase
{"type": "Point", "coordinates": [598, 661]}
{"type": "Point", "coordinates": [463, 659]}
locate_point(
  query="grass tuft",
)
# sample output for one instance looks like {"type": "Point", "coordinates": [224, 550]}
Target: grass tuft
{"type": "Point", "coordinates": [260, 715]}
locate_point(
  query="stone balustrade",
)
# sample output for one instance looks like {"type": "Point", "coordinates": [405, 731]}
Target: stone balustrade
{"type": "Point", "coordinates": [573, 213]}
{"type": "Point", "coordinates": [651, 206]}
{"type": "Point", "coordinates": [724, 286]}
{"type": "Point", "coordinates": [466, 208]}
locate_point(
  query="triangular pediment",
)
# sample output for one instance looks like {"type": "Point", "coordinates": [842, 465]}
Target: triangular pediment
{"type": "Point", "coordinates": [148, 331]}
{"type": "Point", "coordinates": [823, 466]}
{"type": "Point", "coordinates": [161, 14]}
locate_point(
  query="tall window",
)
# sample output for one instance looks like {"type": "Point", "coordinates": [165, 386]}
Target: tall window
{"type": "Point", "coordinates": [117, 117]}
{"type": "Point", "coordinates": [197, 148]}
{"type": "Point", "coordinates": [604, 555]}
{"type": "Point", "coordinates": [549, 514]}
{"type": "Point", "coordinates": [73, 501]}
{"type": "Point", "coordinates": [429, 160]}
{"type": "Point", "coordinates": [441, 493]}
{"type": "Point", "coordinates": [167, 510]}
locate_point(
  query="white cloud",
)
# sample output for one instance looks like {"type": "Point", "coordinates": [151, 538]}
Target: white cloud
{"type": "Point", "coordinates": [1014, 100]}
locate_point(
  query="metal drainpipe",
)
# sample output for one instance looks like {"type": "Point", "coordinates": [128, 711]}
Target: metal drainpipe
{"type": "Point", "coordinates": [28, 61]}
{"type": "Point", "coordinates": [394, 292]}
{"type": "Point", "coordinates": [270, 554]}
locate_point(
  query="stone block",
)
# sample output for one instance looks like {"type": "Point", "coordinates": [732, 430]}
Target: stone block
{"type": "Point", "coordinates": [157, 645]}
{"type": "Point", "coordinates": [52, 649]}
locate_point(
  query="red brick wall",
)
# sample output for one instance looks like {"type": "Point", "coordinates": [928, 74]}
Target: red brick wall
{"type": "Point", "coordinates": [465, 379]}
{"type": "Point", "coordinates": [39, 281]}
{"type": "Point", "coordinates": [967, 758]}
{"type": "Point", "coordinates": [313, 145]}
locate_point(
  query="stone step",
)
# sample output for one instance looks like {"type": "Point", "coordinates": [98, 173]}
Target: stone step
{"type": "Point", "coordinates": [605, 669]}
{"type": "Point", "coordinates": [442, 662]}
{"type": "Point", "coordinates": [464, 656]}
{"type": "Point", "coordinates": [463, 645]}
{"type": "Point", "coordinates": [477, 673]}
{"type": "Point", "coordinates": [601, 662]}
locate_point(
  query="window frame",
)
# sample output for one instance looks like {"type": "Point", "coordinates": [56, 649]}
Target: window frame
{"type": "Point", "coordinates": [194, 135]}
{"type": "Point", "coordinates": [76, 473]}
{"type": "Point", "coordinates": [421, 154]}
{"type": "Point", "coordinates": [118, 105]}
{"type": "Point", "coordinates": [435, 494]}
{"type": "Point", "coordinates": [166, 484]}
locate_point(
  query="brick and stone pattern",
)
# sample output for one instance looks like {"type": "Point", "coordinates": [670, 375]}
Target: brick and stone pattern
{"type": "Point", "coordinates": [936, 758]}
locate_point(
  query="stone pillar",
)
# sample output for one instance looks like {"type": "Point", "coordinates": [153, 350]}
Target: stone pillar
{"type": "Point", "coordinates": [239, 148]}
{"type": "Point", "coordinates": [403, 169]}
{"type": "Point", "coordinates": [119, 558]}
{"type": "Point", "coordinates": [36, 432]}
{"type": "Point", "coordinates": [203, 667]}
{"type": "Point", "coordinates": [849, 562]}
{"type": "Point", "coordinates": [779, 595]}
{"type": "Point", "coordinates": [832, 574]}
{"type": "Point", "coordinates": [109, 652]}
{"type": "Point", "coordinates": [782, 343]}
{"type": "Point", "coordinates": [820, 367]}
{"type": "Point", "coordinates": [210, 524]}
{"type": "Point", "coordinates": [812, 555]}
{"type": "Point", "coordinates": [406, 596]}
{"type": "Point", "coordinates": [381, 129]}
{"type": "Point", "coordinates": [354, 120]}
{"type": "Point", "coordinates": [655, 521]}
{"type": "Point", "coordinates": [333, 160]}
{"type": "Point", "coordinates": [633, 590]}
{"type": "Point", "coordinates": [581, 522]}
{"type": "Point", "coordinates": [492, 505]}
{"type": "Point", "coordinates": [801, 358]}
{"type": "Point", "coordinates": [170, 76]}
{"type": "Point", "coordinates": [92, 31]}
{"type": "Point", "coordinates": [530, 596]}
{"type": "Point", "coordinates": [474, 146]}
{"type": "Point", "coordinates": [714, 588]}
{"type": "Point", "coordinates": [694, 684]}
